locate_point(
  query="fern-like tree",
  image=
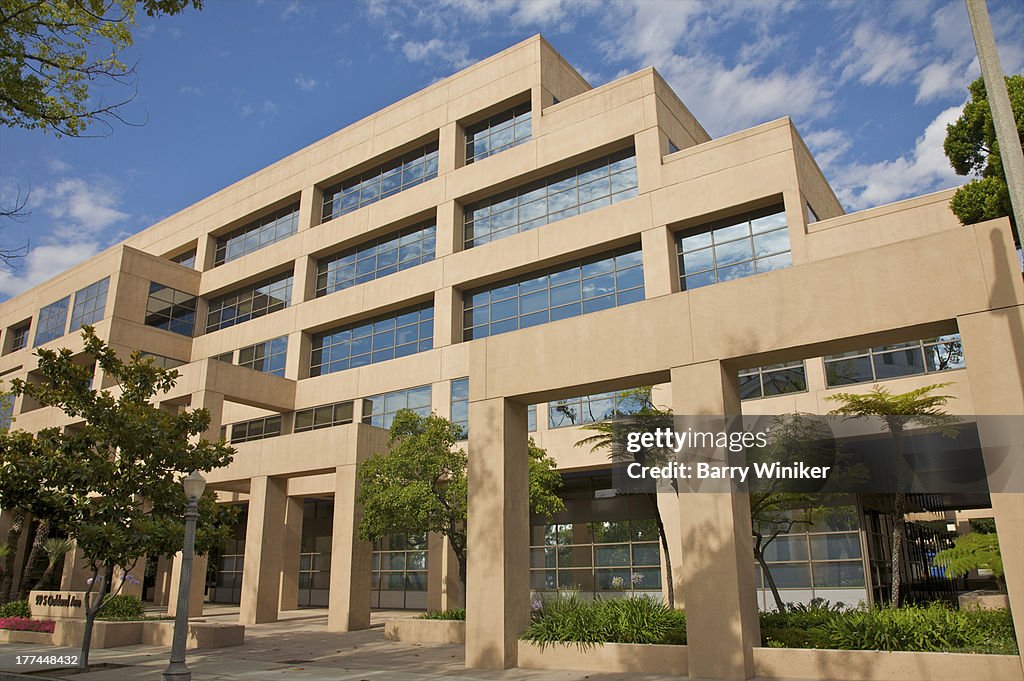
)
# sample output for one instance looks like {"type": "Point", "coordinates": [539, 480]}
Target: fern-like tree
{"type": "Point", "coordinates": [420, 484]}
{"type": "Point", "coordinates": [112, 483]}
{"type": "Point", "coordinates": [611, 436]}
{"type": "Point", "coordinates": [973, 551]}
{"type": "Point", "coordinates": [917, 409]}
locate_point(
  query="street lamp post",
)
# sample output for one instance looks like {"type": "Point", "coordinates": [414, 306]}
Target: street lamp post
{"type": "Point", "coordinates": [176, 669]}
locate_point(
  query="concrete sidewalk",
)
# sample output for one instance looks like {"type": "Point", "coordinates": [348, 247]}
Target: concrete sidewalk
{"type": "Point", "coordinates": [299, 647]}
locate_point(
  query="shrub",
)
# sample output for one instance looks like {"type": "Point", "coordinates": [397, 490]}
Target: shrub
{"type": "Point", "coordinates": [27, 624]}
{"type": "Point", "coordinates": [568, 619]}
{"type": "Point", "coordinates": [801, 626]}
{"type": "Point", "coordinates": [452, 614]}
{"type": "Point", "coordinates": [121, 608]}
{"type": "Point", "coordinates": [16, 609]}
{"type": "Point", "coordinates": [934, 627]}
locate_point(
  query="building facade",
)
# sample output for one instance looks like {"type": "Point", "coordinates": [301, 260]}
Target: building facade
{"type": "Point", "coordinates": [512, 249]}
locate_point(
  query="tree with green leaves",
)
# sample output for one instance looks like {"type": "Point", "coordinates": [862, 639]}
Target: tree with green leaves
{"type": "Point", "coordinates": [973, 551]}
{"type": "Point", "coordinates": [111, 482]}
{"type": "Point", "coordinates": [917, 409]}
{"type": "Point", "coordinates": [57, 58]}
{"type": "Point", "coordinates": [778, 505]}
{"type": "Point", "coordinates": [420, 484]}
{"type": "Point", "coordinates": [643, 416]}
{"type": "Point", "coordinates": [972, 149]}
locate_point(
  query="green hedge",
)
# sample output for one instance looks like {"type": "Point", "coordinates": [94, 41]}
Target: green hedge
{"type": "Point", "coordinates": [455, 614]}
{"type": "Point", "coordinates": [935, 627]}
{"type": "Point", "coordinates": [122, 608]}
{"type": "Point", "coordinates": [16, 609]}
{"type": "Point", "coordinates": [569, 619]}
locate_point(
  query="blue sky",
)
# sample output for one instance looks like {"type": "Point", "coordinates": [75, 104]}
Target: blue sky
{"type": "Point", "coordinates": [229, 90]}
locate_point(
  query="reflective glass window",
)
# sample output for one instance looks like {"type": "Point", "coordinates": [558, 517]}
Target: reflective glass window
{"type": "Point", "coordinates": [52, 321]}
{"type": "Point", "coordinates": [381, 257]}
{"type": "Point", "coordinates": [171, 310]}
{"type": "Point", "coordinates": [250, 302]}
{"type": "Point", "coordinates": [735, 248]}
{"type": "Point", "coordinates": [584, 188]}
{"type": "Point", "coordinates": [498, 133]}
{"type": "Point", "coordinates": [90, 303]}
{"type": "Point", "coordinates": [385, 180]}
{"type": "Point", "coordinates": [397, 334]}
{"type": "Point", "coordinates": [256, 235]}
{"type": "Point", "coordinates": [589, 285]}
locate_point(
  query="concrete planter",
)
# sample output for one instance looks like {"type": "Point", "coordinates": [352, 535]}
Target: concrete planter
{"type": "Point", "coordinates": [425, 631]}
{"type": "Point", "coordinates": [200, 634]}
{"type": "Point", "coordinates": [636, 658]}
{"type": "Point", "coordinates": [876, 665]}
{"type": "Point", "coordinates": [984, 600]}
{"type": "Point", "coordinates": [37, 637]}
{"type": "Point", "coordinates": [104, 634]}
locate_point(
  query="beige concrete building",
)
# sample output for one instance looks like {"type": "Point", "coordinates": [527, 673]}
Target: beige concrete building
{"type": "Point", "coordinates": [511, 248]}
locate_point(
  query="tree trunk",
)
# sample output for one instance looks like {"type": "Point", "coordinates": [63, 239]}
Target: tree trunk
{"type": "Point", "coordinates": [13, 536]}
{"type": "Point", "coordinates": [42, 532]}
{"type": "Point", "coordinates": [759, 556]}
{"type": "Point", "coordinates": [46, 574]}
{"type": "Point", "coordinates": [669, 586]}
{"type": "Point", "coordinates": [897, 547]}
{"type": "Point", "coordinates": [92, 609]}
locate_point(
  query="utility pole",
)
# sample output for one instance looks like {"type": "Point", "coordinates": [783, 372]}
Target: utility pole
{"type": "Point", "coordinates": [999, 101]}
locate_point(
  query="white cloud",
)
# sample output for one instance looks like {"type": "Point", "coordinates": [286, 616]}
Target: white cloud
{"type": "Point", "coordinates": [455, 54]}
{"type": "Point", "coordinates": [266, 109]}
{"type": "Point", "coordinates": [306, 84]}
{"type": "Point", "coordinates": [190, 90]}
{"type": "Point", "coordinates": [828, 146]}
{"type": "Point", "coordinates": [43, 262]}
{"type": "Point", "coordinates": [58, 166]}
{"type": "Point", "coordinates": [875, 56]}
{"type": "Point", "coordinates": [76, 217]}
{"type": "Point", "coordinates": [924, 169]}
{"type": "Point", "coordinates": [78, 205]}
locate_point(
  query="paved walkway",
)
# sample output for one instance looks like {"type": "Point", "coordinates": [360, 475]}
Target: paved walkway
{"type": "Point", "coordinates": [300, 647]}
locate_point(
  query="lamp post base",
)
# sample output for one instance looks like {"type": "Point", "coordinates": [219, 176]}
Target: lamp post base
{"type": "Point", "coordinates": [176, 671]}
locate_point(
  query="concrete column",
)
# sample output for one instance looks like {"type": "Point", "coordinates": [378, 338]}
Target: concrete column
{"type": "Point", "coordinates": [214, 403]}
{"type": "Point", "coordinates": [444, 591]}
{"type": "Point", "coordinates": [310, 207]}
{"type": "Point", "coordinates": [75, 573]}
{"type": "Point", "coordinates": [717, 555]}
{"type": "Point", "coordinates": [994, 354]}
{"type": "Point", "coordinates": [303, 279]}
{"type": "Point", "coordinates": [498, 580]}
{"type": "Point", "coordinates": [291, 548]}
{"type": "Point", "coordinates": [447, 317]}
{"type": "Point", "coordinates": [130, 589]}
{"type": "Point", "coordinates": [648, 159]}
{"type": "Point", "coordinates": [206, 247]}
{"type": "Point", "coordinates": [162, 584]}
{"type": "Point", "coordinates": [349, 604]}
{"type": "Point", "coordinates": [450, 234]}
{"type": "Point", "coordinates": [661, 266]}
{"type": "Point", "coordinates": [451, 148]}
{"type": "Point", "coordinates": [197, 590]}
{"type": "Point", "coordinates": [264, 562]}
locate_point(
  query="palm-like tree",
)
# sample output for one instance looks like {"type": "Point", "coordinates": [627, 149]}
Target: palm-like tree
{"type": "Point", "coordinates": [611, 436]}
{"type": "Point", "coordinates": [914, 409]}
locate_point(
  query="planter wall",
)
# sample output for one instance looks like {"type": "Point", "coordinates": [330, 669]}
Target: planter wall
{"type": "Point", "coordinates": [983, 600]}
{"type": "Point", "coordinates": [875, 665]}
{"type": "Point", "coordinates": [200, 634]}
{"type": "Point", "coordinates": [634, 658]}
{"type": "Point", "coordinates": [104, 634]}
{"type": "Point", "coordinates": [36, 637]}
{"type": "Point", "coordinates": [425, 631]}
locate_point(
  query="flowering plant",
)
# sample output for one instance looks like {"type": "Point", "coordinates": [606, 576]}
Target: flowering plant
{"type": "Point", "coordinates": [26, 624]}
